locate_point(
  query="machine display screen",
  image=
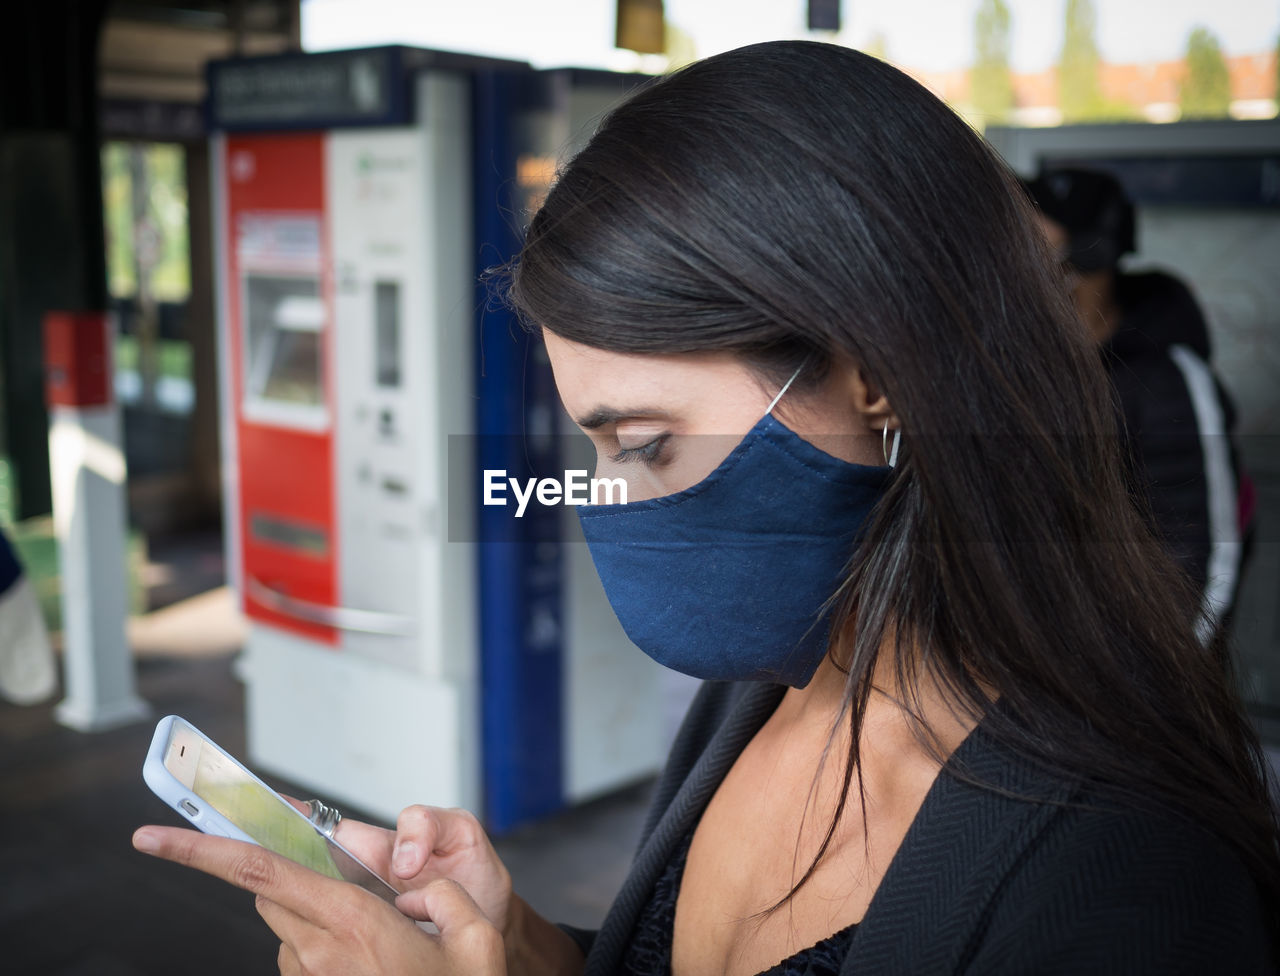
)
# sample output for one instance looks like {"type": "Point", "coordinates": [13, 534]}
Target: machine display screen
{"type": "Point", "coordinates": [386, 301]}
{"type": "Point", "coordinates": [285, 353]}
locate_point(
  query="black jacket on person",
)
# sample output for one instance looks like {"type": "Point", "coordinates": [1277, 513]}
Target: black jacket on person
{"type": "Point", "coordinates": [985, 882]}
{"type": "Point", "coordinates": [1178, 422]}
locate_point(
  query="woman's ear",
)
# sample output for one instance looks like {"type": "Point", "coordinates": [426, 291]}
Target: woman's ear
{"type": "Point", "coordinates": [871, 405]}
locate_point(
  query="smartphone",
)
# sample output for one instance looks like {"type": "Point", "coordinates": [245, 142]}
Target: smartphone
{"type": "Point", "coordinates": [196, 777]}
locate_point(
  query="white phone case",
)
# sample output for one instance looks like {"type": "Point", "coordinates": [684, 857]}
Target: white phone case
{"type": "Point", "coordinates": [202, 815]}
{"type": "Point", "coordinates": [166, 786]}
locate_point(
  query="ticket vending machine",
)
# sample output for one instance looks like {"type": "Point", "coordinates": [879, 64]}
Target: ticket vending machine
{"type": "Point", "coordinates": [403, 646]}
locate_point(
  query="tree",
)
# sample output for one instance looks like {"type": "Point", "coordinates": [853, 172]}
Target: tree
{"type": "Point", "coordinates": [991, 80]}
{"type": "Point", "coordinates": [1079, 90]}
{"type": "Point", "coordinates": [877, 46]}
{"type": "Point", "coordinates": [1206, 86]}
{"type": "Point", "coordinates": [681, 48]}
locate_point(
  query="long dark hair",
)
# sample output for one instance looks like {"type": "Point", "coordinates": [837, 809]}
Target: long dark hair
{"type": "Point", "coordinates": [791, 201]}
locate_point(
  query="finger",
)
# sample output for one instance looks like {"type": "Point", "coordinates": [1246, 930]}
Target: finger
{"type": "Point", "coordinates": [423, 831]}
{"type": "Point", "coordinates": [464, 928]}
{"type": "Point", "coordinates": [369, 843]}
{"type": "Point", "coordinates": [417, 830]}
{"type": "Point", "coordinates": [246, 866]}
{"type": "Point", "coordinates": [292, 928]}
{"type": "Point", "coordinates": [302, 806]}
{"type": "Point", "coordinates": [287, 961]}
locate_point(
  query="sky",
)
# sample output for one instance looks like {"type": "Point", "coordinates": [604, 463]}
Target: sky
{"type": "Point", "coordinates": [932, 35]}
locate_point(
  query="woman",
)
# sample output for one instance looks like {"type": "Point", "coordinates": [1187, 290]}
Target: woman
{"type": "Point", "coordinates": [963, 723]}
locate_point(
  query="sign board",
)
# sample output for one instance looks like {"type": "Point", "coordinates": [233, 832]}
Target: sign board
{"type": "Point", "coordinates": [335, 88]}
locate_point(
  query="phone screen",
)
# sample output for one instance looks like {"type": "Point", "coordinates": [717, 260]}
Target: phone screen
{"type": "Point", "coordinates": [259, 811]}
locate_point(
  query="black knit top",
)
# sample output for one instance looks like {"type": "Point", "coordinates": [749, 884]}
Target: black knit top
{"type": "Point", "coordinates": [1006, 870]}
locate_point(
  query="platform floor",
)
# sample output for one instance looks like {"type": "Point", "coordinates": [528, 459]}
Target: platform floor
{"type": "Point", "coordinates": [77, 900]}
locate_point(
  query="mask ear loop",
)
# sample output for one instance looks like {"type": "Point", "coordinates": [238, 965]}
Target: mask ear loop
{"type": "Point", "coordinates": [890, 456]}
{"type": "Point", "coordinates": [785, 386]}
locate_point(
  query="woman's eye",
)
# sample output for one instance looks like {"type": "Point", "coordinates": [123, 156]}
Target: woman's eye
{"type": "Point", "coordinates": [648, 454]}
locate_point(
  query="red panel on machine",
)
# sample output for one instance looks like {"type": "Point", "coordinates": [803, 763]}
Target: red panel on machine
{"type": "Point", "coordinates": [77, 359]}
{"type": "Point", "coordinates": [279, 310]}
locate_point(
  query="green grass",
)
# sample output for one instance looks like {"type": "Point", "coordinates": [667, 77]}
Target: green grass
{"type": "Point", "coordinates": [174, 356]}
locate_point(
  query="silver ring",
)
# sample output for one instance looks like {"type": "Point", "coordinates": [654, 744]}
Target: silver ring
{"type": "Point", "coordinates": [325, 817]}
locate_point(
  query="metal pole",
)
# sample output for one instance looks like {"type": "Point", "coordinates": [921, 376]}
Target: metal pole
{"type": "Point", "coordinates": [87, 472]}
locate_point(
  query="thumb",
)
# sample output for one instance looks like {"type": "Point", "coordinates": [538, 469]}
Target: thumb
{"type": "Point", "coordinates": [465, 930]}
{"type": "Point", "coordinates": [444, 902]}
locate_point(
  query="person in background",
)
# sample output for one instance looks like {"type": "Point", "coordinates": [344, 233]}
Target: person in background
{"type": "Point", "coordinates": [1177, 419]}
{"type": "Point", "coordinates": [27, 671]}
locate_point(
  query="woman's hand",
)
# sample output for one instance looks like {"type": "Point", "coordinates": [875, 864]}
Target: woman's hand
{"type": "Point", "coordinates": [327, 926]}
{"type": "Point", "coordinates": [428, 844]}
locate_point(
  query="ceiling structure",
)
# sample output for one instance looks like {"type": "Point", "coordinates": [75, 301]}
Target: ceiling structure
{"type": "Point", "coordinates": [156, 51]}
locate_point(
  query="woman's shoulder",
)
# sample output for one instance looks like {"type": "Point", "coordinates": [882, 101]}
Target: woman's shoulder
{"type": "Point", "coordinates": [1137, 847]}
{"type": "Point", "coordinates": [1036, 871]}
{"type": "Point", "coordinates": [1116, 885]}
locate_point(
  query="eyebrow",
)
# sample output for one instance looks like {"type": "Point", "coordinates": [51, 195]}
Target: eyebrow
{"type": "Point", "coordinates": [601, 416]}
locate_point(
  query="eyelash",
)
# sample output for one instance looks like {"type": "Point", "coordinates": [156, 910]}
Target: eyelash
{"type": "Point", "coordinates": [647, 454]}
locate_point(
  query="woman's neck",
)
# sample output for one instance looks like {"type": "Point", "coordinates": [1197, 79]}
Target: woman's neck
{"type": "Point", "coordinates": [893, 725]}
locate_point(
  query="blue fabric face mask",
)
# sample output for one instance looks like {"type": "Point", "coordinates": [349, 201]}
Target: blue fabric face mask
{"type": "Point", "coordinates": [726, 580]}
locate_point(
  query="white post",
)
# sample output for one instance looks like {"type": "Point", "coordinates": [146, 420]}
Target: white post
{"type": "Point", "coordinates": [87, 472]}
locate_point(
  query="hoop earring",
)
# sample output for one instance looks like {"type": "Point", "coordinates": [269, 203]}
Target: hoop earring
{"type": "Point", "coordinates": [890, 455]}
